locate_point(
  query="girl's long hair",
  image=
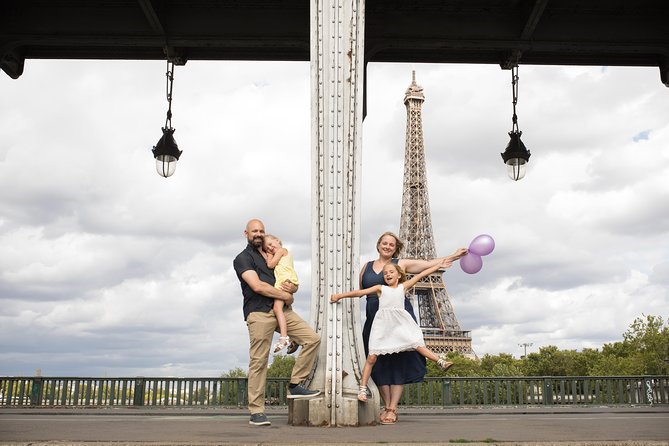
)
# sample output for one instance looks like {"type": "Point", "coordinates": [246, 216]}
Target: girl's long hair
{"type": "Point", "coordinates": [402, 275]}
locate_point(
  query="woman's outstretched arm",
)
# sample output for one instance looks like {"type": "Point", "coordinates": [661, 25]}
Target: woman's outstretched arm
{"type": "Point", "coordinates": [415, 266]}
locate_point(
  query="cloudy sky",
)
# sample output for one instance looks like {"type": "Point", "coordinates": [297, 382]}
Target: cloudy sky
{"type": "Point", "coordinates": [107, 269]}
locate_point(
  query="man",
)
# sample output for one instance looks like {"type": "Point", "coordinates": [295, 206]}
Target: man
{"type": "Point", "coordinates": [257, 282]}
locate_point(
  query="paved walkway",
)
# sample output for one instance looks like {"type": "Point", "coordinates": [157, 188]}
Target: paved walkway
{"type": "Point", "coordinates": [591, 426]}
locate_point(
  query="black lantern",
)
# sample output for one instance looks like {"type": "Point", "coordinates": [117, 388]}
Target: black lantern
{"type": "Point", "coordinates": [166, 152]}
{"type": "Point", "coordinates": [516, 156]}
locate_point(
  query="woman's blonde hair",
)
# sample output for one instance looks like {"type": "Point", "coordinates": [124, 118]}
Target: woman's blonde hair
{"type": "Point", "coordinates": [398, 243]}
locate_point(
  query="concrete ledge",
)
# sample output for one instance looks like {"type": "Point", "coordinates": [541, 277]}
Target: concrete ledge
{"type": "Point", "coordinates": [505, 426]}
{"type": "Point", "coordinates": [297, 442]}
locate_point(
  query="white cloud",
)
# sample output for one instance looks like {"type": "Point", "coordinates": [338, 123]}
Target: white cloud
{"type": "Point", "coordinates": [509, 313]}
{"type": "Point", "coordinates": [107, 268]}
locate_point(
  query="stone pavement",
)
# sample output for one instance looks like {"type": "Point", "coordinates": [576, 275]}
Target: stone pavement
{"type": "Point", "coordinates": [563, 426]}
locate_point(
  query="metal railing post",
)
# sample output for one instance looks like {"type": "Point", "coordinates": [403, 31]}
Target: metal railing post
{"type": "Point", "coordinates": [647, 390]}
{"type": "Point", "coordinates": [138, 397]}
{"type": "Point", "coordinates": [36, 391]}
{"type": "Point", "coordinates": [446, 392]}
{"type": "Point", "coordinates": [548, 391]}
{"type": "Point", "coordinates": [241, 392]}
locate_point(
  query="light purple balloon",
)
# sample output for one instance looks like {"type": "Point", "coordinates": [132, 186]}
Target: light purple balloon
{"type": "Point", "coordinates": [471, 263]}
{"type": "Point", "coordinates": [482, 245]}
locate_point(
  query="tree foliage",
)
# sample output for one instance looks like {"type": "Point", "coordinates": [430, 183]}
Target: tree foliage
{"type": "Point", "coordinates": [461, 367]}
{"type": "Point", "coordinates": [237, 372]}
{"type": "Point", "coordinates": [644, 350]}
{"type": "Point", "coordinates": [281, 367]}
{"type": "Point", "coordinates": [648, 339]}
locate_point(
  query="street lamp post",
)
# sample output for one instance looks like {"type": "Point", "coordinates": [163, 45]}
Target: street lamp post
{"type": "Point", "coordinates": [525, 345]}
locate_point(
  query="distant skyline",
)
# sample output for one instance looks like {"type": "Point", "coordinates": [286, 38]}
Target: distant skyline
{"type": "Point", "coordinates": [107, 269]}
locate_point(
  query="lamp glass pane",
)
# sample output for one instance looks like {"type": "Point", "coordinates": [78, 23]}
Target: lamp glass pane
{"type": "Point", "coordinates": [166, 165]}
{"type": "Point", "coordinates": [515, 168]}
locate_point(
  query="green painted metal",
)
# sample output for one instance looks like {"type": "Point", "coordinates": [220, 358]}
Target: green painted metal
{"type": "Point", "coordinates": [231, 392]}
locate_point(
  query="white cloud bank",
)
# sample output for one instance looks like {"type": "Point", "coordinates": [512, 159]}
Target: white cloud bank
{"type": "Point", "coordinates": [108, 269]}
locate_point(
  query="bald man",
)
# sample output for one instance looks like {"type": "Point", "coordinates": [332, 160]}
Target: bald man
{"type": "Point", "coordinates": [257, 282]}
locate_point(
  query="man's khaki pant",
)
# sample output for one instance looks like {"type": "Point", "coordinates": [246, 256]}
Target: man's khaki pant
{"type": "Point", "coordinates": [261, 330]}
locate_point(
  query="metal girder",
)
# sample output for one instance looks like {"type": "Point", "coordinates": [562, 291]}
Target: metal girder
{"type": "Point", "coordinates": [565, 32]}
{"type": "Point", "coordinates": [12, 63]}
{"type": "Point", "coordinates": [533, 19]}
{"type": "Point", "coordinates": [336, 138]}
{"type": "Point", "coordinates": [664, 71]}
{"type": "Point", "coordinates": [152, 16]}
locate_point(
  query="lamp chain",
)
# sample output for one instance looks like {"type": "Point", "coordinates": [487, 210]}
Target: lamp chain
{"type": "Point", "coordinates": [514, 87]}
{"type": "Point", "coordinates": [170, 79]}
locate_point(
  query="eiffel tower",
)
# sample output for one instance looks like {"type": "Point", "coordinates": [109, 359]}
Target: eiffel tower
{"type": "Point", "coordinates": [436, 316]}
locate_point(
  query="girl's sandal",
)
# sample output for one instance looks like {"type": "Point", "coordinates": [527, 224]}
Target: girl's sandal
{"type": "Point", "coordinates": [362, 394]}
{"type": "Point", "coordinates": [391, 417]}
{"type": "Point", "coordinates": [443, 363]}
{"type": "Point", "coordinates": [284, 341]}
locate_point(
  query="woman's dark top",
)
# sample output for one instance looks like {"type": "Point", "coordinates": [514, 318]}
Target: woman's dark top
{"type": "Point", "coordinates": [397, 368]}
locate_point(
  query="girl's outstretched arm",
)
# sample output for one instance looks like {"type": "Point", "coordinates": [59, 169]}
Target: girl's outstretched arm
{"type": "Point", "coordinates": [356, 293]}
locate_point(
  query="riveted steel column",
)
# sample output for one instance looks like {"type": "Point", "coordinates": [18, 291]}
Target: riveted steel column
{"type": "Point", "coordinates": [337, 33]}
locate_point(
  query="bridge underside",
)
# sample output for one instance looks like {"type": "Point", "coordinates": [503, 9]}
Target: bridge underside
{"type": "Point", "coordinates": [565, 32]}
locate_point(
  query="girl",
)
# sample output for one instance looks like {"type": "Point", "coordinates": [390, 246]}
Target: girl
{"type": "Point", "coordinates": [279, 259]}
{"type": "Point", "coordinates": [393, 329]}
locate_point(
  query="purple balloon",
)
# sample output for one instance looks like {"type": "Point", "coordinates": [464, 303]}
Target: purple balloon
{"type": "Point", "coordinates": [482, 245]}
{"type": "Point", "coordinates": [471, 263]}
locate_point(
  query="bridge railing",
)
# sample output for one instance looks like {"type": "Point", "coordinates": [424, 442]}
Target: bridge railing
{"type": "Point", "coordinates": [540, 390]}
{"type": "Point", "coordinates": [232, 392]}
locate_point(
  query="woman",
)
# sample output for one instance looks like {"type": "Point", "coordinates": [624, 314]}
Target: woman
{"type": "Point", "coordinates": [393, 371]}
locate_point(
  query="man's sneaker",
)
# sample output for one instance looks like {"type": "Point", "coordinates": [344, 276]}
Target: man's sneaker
{"type": "Point", "coordinates": [259, 419]}
{"type": "Point", "coordinates": [301, 392]}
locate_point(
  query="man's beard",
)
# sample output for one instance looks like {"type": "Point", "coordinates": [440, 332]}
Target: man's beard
{"type": "Point", "coordinates": [256, 242]}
